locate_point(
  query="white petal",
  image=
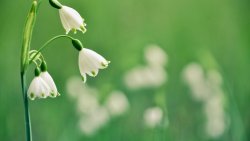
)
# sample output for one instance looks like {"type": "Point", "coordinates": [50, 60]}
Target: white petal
{"type": "Point", "coordinates": [85, 63]}
{"type": "Point", "coordinates": [73, 16]}
{"type": "Point", "coordinates": [48, 79]}
{"type": "Point", "coordinates": [96, 59]}
{"type": "Point", "coordinates": [90, 62]}
{"type": "Point", "coordinates": [71, 19]}
{"type": "Point", "coordinates": [65, 24]}
{"type": "Point", "coordinates": [38, 88]}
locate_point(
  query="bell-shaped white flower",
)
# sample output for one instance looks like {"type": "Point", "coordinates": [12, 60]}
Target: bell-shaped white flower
{"type": "Point", "coordinates": [71, 19]}
{"type": "Point", "coordinates": [90, 62]}
{"type": "Point", "coordinates": [38, 88]}
{"type": "Point", "coordinates": [50, 82]}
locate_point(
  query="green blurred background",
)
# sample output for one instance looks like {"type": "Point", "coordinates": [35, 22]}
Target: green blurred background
{"type": "Point", "coordinates": [209, 35]}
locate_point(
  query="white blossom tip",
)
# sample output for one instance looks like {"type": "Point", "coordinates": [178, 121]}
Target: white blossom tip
{"type": "Point", "coordinates": [84, 78]}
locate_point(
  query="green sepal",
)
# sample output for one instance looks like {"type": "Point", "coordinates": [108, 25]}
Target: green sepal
{"type": "Point", "coordinates": [37, 71]}
{"type": "Point", "coordinates": [43, 66]}
{"type": "Point", "coordinates": [55, 4]}
{"type": "Point", "coordinates": [77, 44]}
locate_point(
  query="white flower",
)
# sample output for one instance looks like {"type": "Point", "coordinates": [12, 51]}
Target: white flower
{"type": "Point", "coordinates": [90, 62]}
{"type": "Point", "coordinates": [71, 19]}
{"type": "Point", "coordinates": [38, 88]}
{"type": "Point", "coordinates": [153, 116]}
{"type": "Point", "coordinates": [50, 82]}
{"type": "Point", "coordinates": [117, 103]}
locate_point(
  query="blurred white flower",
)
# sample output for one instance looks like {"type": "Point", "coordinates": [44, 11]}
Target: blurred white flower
{"type": "Point", "coordinates": [206, 87]}
{"type": "Point", "coordinates": [214, 77]}
{"type": "Point", "coordinates": [38, 88]}
{"type": "Point", "coordinates": [153, 117]}
{"type": "Point", "coordinates": [71, 19]}
{"type": "Point", "coordinates": [92, 122]}
{"type": "Point", "coordinates": [141, 77]}
{"type": "Point", "coordinates": [156, 56]}
{"type": "Point", "coordinates": [50, 82]}
{"type": "Point", "coordinates": [90, 62]}
{"type": "Point", "coordinates": [93, 114]}
{"type": "Point", "coordinates": [117, 103]}
{"type": "Point", "coordinates": [87, 103]}
{"type": "Point", "coordinates": [216, 119]}
{"type": "Point", "coordinates": [194, 76]}
{"type": "Point", "coordinates": [75, 87]}
{"type": "Point", "coordinates": [153, 74]}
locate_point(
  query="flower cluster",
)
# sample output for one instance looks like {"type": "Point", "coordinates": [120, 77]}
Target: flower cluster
{"type": "Point", "coordinates": [43, 86]}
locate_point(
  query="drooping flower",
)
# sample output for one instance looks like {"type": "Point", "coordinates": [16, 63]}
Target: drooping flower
{"type": "Point", "coordinates": [38, 87]}
{"type": "Point", "coordinates": [90, 62]}
{"type": "Point", "coordinates": [49, 80]}
{"type": "Point", "coordinates": [71, 19]}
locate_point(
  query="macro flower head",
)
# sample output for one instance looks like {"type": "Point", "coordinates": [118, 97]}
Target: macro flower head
{"type": "Point", "coordinates": [49, 80]}
{"type": "Point", "coordinates": [38, 87]}
{"type": "Point", "coordinates": [71, 19]}
{"type": "Point", "coordinates": [90, 62]}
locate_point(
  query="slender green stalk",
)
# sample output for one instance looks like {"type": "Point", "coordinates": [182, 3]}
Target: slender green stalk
{"type": "Point", "coordinates": [26, 108]}
{"type": "Point", "coordinates": [47, 43]}
{"type": "Point", "coordinates": [27, 35]}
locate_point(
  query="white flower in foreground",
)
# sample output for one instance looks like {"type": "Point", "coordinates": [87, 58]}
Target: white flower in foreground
{"type": "Point", "coordinates": [90, 62]}
{"type": "Point", "coordinates": [71, 19]}
{"type": "Point", "coordinates": [38, 88]}
{"type": "Point", "coordinates": [50, 82]}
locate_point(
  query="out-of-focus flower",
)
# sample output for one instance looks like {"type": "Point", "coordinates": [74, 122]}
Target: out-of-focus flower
{"type": "Point", "coordinates": [87, 103]}
{"type": "Point", "coordinates": [206, 87]}
{"type": "Point", "coordinates": [153, 74]}
{"type": "Point", "coordinates": [71, 19]}
{"type": "Point", "coordinates": [92, 122]}
{"type": "Point", "coordinates": [216, 119]}
{"type": "Point", "coordinates": [38, 87]}
{"type": "Point", "coordinates": [75, 87]}
{"type": "Point", "coordinates": [194, 76]}
{"type": "Point", "coordinates": [90, 62]}
{"type": "Point", "coordinates": [117, 103]}
{"type": "Point", "coordinates": [141, 77]}
{"type": "Point", "coordinates": [153, 117]}
{"type": "Point", "coordinates": [156, 56]}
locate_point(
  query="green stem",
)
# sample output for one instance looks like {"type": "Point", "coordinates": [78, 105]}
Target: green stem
{"type": "Point", "coordinates": [27, 35]}
{"type": "Point", "coordinates": [26, 108]}
{"type": "Point", "coordinates": [47, 43]}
